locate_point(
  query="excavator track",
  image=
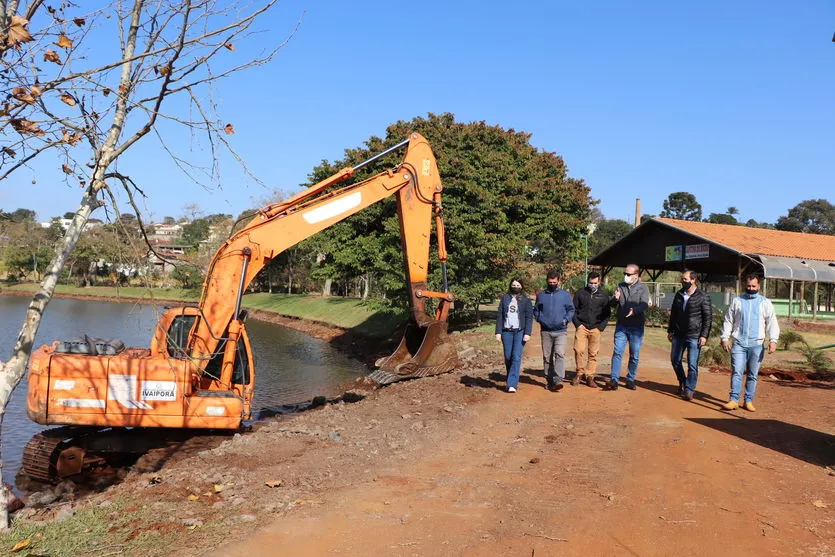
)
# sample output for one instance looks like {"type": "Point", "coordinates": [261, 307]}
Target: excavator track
{"type": "Point", "coordinates": [50, 455]}
{"type": "Point", "coordinates": [78, 451]}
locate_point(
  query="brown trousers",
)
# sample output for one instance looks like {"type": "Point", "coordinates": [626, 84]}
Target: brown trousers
{"type": "Point", "coordinates": [586, 340]}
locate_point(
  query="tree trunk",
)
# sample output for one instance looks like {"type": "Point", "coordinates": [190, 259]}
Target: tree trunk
{"type": "Point", "coordinates": [326, 289]}
{"type": "Point", "coordinates": [12, 371]}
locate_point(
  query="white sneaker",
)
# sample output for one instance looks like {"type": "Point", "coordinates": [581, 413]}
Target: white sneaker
{"type": "Point", "coordinates": [511, 389]}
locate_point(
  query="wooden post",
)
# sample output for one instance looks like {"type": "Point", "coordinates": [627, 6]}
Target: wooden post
{"type": "Point", "coordinates": [815, 303]}
{"type": "Point", "coordinates": [802, 298]}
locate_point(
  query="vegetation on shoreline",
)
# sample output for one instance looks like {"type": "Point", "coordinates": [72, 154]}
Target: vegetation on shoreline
{"type": "Point", "coordinates": [110, 292]}
{"type": "Point", "coordinates": [360, 317]}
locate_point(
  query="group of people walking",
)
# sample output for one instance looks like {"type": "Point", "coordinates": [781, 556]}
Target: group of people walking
{"type": "Point", "coordinates": [749, 320]}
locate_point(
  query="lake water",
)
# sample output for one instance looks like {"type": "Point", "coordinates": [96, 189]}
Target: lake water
{"type": "Point", "coordinates": [290, 367]}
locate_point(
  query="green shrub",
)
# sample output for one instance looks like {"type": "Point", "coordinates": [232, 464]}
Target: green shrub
{"type": "Point", "coordinates": [658, 316]}
{"type": "Point", "coordinates": [815, 358]}
{"type": "Point", "coordinates": [713, 354]}
{"type": "Point", "coordinates": [788, 338]}
{"type": "Point", "coordinates": [187, 276]}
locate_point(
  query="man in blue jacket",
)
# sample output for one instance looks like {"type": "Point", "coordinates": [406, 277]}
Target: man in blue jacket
{"type": "Point", "coordinates": [553, 310]}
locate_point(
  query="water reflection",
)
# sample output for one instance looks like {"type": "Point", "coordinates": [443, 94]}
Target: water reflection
{"type": "Point", "coordinates": [290, 366]}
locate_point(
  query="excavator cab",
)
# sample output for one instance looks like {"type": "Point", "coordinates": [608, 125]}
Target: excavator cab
{"type": "Point", "coordinates": [175, 339]}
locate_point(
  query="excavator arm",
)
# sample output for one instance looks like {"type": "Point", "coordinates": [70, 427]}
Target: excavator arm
{"type": "Point", "coordinates": [415, 183]}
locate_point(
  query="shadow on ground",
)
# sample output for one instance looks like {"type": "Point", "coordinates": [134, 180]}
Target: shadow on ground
{"type": "Point", "coordinates": [671, 389]}
{"type": "Point", "coordinates": [498, 380]}
{"type": "Point", "coordinates": [814, 447]}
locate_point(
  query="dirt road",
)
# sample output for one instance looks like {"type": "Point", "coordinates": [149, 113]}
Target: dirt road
{"type": "Point", "coordinates": [452, 465]}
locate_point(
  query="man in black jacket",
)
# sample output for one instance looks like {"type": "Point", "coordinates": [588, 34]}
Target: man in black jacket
{"type": "Point", "coordinates": [591, 315]}
{"type": "Point", "coordinates": [690, 319]}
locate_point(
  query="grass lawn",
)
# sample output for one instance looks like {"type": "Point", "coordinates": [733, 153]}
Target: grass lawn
{"type": "Point", "coordinates": [348, 313]}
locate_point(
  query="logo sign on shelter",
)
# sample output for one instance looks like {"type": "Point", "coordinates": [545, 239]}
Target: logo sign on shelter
{"type": "Point", "coordinates": [697, 251]}
{"type": "Point", "coordinates": [672, 253]}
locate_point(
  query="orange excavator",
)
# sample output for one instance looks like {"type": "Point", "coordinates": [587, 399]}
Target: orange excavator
{"type": "Point", "coordinates": [199, 371]}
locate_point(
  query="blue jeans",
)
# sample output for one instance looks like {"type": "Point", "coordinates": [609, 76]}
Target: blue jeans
{"type": "Point", "coordinates": [512, 343]}
{"type": "Point", "coordinates": [745, 358]}
{"type": "Point", "coordinates": [677, 351]}
{"type": "Point", "coordinates": [623, 335]}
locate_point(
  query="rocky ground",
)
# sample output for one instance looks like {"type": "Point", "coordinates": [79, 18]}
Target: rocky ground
{"type": "Point", "coordinates": [453, 465]}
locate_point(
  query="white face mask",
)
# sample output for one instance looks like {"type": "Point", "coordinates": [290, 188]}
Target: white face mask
{"type": "Point", "coordinates": [628, 279]}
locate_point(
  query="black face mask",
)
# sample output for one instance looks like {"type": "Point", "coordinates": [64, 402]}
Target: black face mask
{"type": "Point", "coordinates": [751, 291]}
{"type": "Point", "coordinates": [552, 288]}
{"type": "Point", "coordinates": [515, 290]}
{"type": "Point", "coordinates": [686, 284]}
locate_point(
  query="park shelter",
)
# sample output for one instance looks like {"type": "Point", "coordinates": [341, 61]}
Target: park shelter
{"type": "Point", "coordinates": [805, 263]}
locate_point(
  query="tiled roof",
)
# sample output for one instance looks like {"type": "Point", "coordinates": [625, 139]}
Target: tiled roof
{"type": "Point", "coordinates": [761, 240]}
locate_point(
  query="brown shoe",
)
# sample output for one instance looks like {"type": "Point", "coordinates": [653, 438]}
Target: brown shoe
{"type": "Point", "coordinates": [575, 380]}
{"type": "Point", "coordinates": [730, 405]}
{"type": "Point", "coordinates": [590, 381]}
{"type": "Point", "coordinates": [749, 406]}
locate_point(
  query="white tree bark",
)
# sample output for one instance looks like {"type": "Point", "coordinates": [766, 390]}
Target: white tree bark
{"type": "Point", "coordinates": [12, 371]}
{"type": "Point", "coordinates": [155, 70]}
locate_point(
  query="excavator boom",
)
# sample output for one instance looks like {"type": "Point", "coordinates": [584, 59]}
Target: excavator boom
{"type": "Point", "coordinates": [415, 183]}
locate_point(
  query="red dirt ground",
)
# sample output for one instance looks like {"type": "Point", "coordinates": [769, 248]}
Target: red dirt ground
{"type": "Point", "coordinates": [452, 465]}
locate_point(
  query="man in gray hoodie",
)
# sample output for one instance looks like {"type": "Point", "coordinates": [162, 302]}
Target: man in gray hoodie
{"type": "Point", "coordinates": [632, 301]}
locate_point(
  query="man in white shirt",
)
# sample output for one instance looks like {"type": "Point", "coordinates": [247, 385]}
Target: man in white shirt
{"type": "Point", "coordinates": [749, 319]}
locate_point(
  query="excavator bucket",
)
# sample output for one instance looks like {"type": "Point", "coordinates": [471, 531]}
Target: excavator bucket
{"type": "Point", "coordinates": [424, 350]}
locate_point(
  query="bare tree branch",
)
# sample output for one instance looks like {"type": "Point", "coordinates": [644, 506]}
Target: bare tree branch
{"type": "Point", "coordinates": [53, 96]}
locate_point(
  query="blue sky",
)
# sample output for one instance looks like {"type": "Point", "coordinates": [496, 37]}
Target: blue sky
{"type": "Point", "coordinates": [731, 101]}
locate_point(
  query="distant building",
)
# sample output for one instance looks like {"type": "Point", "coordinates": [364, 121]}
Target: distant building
{"type": "Point", "coordinates": [168, 253]}
{"type": "Point", "coordinates": [165, 232]}
{"type": "Point", "coordinates": [65, 223]}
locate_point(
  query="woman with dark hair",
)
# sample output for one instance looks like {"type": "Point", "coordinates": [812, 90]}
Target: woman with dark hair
{"type": "Point", "coordinates": [514, 322]}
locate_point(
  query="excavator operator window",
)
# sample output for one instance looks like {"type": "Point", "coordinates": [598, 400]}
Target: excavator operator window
{"type": "Point", "coordinates": [178, 335]}
{"type": "Point", "coordinates": [240, 375]}
{"type": "Point", "coordinates": [214, 365]}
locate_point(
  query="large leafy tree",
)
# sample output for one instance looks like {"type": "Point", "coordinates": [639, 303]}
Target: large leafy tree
{"type": "Point", "coordinates": [504, 200]}
{"type": "Point", "coordinates": [26, 247]}
{"type": "Point", "coordinates": [18, 215]}
{"type": "Point", "coordinates": [608, 232]}
{"type": "Point", "coordinates": [722, 218]}
{"type": "Point", "coordinates": [816, 216]}
{"type": "Point", "coordinates": [682, 205]}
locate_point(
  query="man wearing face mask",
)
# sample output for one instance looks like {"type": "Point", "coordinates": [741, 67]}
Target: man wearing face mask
{"type": "Point", "coordinates": [691, 316]}
{"type": "Point", "coordinates": [553, 310]}
{"type": "Point", "coordinates": [591, 315]}
{"type": "Point", "coordinates": [749, 319]}
{"type": "Point", "coordinates": [632, 300]}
